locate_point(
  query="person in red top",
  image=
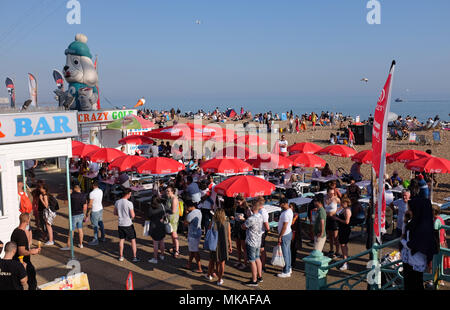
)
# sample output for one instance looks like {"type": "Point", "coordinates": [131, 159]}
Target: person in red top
{"type": "Point", "coordinates": [25, 206]}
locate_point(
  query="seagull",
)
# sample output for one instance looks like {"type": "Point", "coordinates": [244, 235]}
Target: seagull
{"type": "Point", "coordinates": [365, 80]}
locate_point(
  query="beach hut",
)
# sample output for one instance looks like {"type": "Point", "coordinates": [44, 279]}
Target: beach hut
{"type": "Point", "coordinates": [29, 136]}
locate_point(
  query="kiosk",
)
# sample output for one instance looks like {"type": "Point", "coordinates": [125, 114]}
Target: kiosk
{"type": "Point", "coordinates": [26, 136]}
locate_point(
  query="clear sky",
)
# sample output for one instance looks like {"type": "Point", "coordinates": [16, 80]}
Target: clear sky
{"type": "Point", "coordinates": [243, 50]}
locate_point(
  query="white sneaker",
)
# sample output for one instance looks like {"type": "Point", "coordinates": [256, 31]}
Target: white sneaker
{"type": "Point", "coordinates": [49, 243]}
{"type": "Point", "coordinates": [153, 261]}
{"type": "Point", "coordinates": [209, 278]}
{"type": "Point", "coordinates": [220, 283]}
{"type": "Point", "coordinates": [161, 257]}
{"type": "Point", "coordinates": [343, 267]}
{"type": "Point", "coordinates": [121, 259]}
{"type": "Point", "coordinates": [65, 248]}
{"type": "Point", "coordinates": [80, 246]}
{"type": "Point", "coordinates": [284, 275]}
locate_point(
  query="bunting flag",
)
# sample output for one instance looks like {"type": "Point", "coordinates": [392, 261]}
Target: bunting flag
{"type": "Point", "coordinates": [32, 86]}
{"type": "Point", "coordinates": [130, 285]}
{"type": "Point", "coordinates": [11, 91]}
{"type": "Point", "coordinates": [379, 136]}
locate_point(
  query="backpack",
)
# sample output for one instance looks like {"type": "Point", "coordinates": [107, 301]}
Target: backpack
{"type": "Point", "coordinates": [25, 204]}
{"type": "Point", "coordinates": [211, 239]}
{"type": "Point", "coordinates": [53, 203]}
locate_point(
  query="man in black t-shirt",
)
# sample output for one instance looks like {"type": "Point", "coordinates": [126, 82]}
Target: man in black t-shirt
{"type": "Point", "coordinates": [78, 202]}
{"type": "Point", "coordinates": [13, 275]}
{"type": "Point", "coordinates": [19, 236]}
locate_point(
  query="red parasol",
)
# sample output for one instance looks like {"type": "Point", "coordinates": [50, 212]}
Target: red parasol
{"type": "Point", "coordinates": [136, 140]}
{"type": "Point", "coordinates": [159, 166]}
{"type": "Point", "coordinates": [270, 162]}
{"type": "Point", "coordinates": [125, 163]}
{"type": "Point", "coordinates": [83, 150]}
{"type": "Point", "coordinates": [305, 147]}
{"type": "Point", "coordinates": [235, 152]}
{"type": "Point", "coordinates": [251, 140]}
{"type": "Point", "coordinates": [430, 165]}
{"type": "Point", "coordinates": [307, 161]}
{"type": "Point", "coordinates": [337, 150]}
{"type": "Point", "coordinates": [105, 155]}
{"type": "Point", "coordinates": [407, 156]}
{"type": "Point", "coordinates": [364, 157]}
{"type": "Point", "coordinates": [245, 185]}
{"type": "Point", "coordinates": [76, 143]}
{"type": "Point", "coordinates": [226, 166]}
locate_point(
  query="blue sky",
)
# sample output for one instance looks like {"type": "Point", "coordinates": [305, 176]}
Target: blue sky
{"type": "Point", "coordinates": [243, 51]}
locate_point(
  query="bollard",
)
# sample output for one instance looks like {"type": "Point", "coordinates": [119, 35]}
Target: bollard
{"type": "Point", "coordinates": [316, 276]}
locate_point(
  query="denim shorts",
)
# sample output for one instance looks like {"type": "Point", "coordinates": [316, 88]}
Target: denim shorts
{"type": "Point", "coordinates": [77, 221]}
{"type": "Point", "coordinates": [253, 253]}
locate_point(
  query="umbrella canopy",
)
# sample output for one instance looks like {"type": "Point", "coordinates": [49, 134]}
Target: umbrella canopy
{"type": "Point", "coordinates": [235, 152]}
{"type": "Point", "coordinates": [245, 185]}
{"type": "Point", "coordinates": [136, 140]}
{"type": "Point", "coordinates": [126, 163]}
{"type": "Point", "coordinates": [131, 122]}
{"type": "Point", "coordinates": [337, 150]}
{"type": "Point", "coordinates": [407, 156]}
{"type": "Point", "coordinates": [105, 155]}
{"type": "Point", "coordinates": [307, 161]}
{"type": "Point", "coordinates": [76, 143]}
{"type": "Point", "coordinates": [270, 162]}
{"type": "Point", "coordinates": [159, 166]}
{"type": "Point", "coordinates": [304, 147]}
{"type": "Point", "coordinates": [364, 157]}
{"type": "Point", "coordinates": [226, 166]}
{"type": "Point", "coordinates": [186, 131]}
{"type": "Point", "coordinates": [251, 140]}
{"type": "Point", "coordinates": [430, 165]}
{"type": "Point", "coordinates": [83, 150]}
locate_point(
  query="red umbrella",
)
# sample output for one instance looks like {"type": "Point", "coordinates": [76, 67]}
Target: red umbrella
{"type": "Point", "coordinates": [235, 152]}
{"type": "Point", "coordinates": [251, 140]}
{"type": "Point", "coordinates": [305, 147]}
{"type": "Point", "coordinates": [307, 161]}
{"type": "Point", "coordinates": [270, 162]}
{"type": "Point", "coordinates": [105, 155]}
{"type": "Point", "coordinates": [337, 150]}
{"type": "Point", "coordinates": [136, 140]}
{"type": "Point", "coordinates": [430, 165]}
{"type": "Point", "coordinates": [159, 165]}
{"type": "Point", "coordinates": [407, 156]}
{"type": "Point", "coordinates": [76, 143]}
{"type": "Point", "coordinates": [226, 166]}
{"type": "Point", "coordinates": [83, 150]}
{"type": "Point", "coordinates": [245, 185]}
{"type": "Point", "coordinates": [364, 157]}
{"type": "Point", "coordinates": [126, 163]}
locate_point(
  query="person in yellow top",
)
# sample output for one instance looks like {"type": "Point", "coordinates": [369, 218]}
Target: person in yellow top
{"type": "Point", "coordinates": [314, 120]}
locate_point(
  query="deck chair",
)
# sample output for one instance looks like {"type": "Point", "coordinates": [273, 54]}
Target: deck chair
{"type": "Point", "coordinates": [412, 137]}
{"type": "Point", "coordinates": [421, 139]}
{"type": "Point", "coordinates": [436, 137]}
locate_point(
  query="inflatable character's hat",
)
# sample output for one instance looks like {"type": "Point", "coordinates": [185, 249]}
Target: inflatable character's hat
{"type": "Point", "coordinates": [79, 47]}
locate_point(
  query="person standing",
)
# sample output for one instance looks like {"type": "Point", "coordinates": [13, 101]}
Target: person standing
{"type": "Point", "coordinates": [252, 226]}
{"type": "Point", "coordinates": [285, 236]}
{"type": "Point", "coordinates": [79, 208]}
{"type": "Point", "coordinates": [320, 217]}
{"type": "Point", "coordinates": [265, 230]}
{"type": "Point", "coordinates": [283, 143]}
{"type": "Point", "coordinates": [193, 191]}
{"type": "Point", "coordinates": [193, 221]}
{"type": "Point", "coordinates": [343, 220]}
{"type": "Point", "coordinates": [156, 215]}
{"type": "Point", "coordinates": [95, 208]}
{"type": "Point", "coordinates": [331, 203]}
{"type": "Point", "coordinates": [124, 209]}
{"type": "Point", "coordinates": [400, 206]}
{"type": "Point", "coordinates": [219, 257]}
{"type": "Point", "coordinates": [419, 243]}
{"type": "Point", "coordinates": [25, 206]}
{"type": "Point", "coordinates": [174, 217]}
{"type": "Point", "coordinates": [13, 276]}
{"type": "Point", "coordinates": [19, 237]}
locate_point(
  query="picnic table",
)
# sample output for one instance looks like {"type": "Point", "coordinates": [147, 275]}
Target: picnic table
{"type": "Point", "coordinates": [325, 179]}
{"type": "Point", "coordinates": [363, 184]}
{"type": "Point", "coordinates": [272, 209]}
{"type": "Point", "coordinates": [300, 201]}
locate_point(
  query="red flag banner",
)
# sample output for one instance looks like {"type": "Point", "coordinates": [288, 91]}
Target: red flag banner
{"type": "Point", "coordinates": [379, 136]}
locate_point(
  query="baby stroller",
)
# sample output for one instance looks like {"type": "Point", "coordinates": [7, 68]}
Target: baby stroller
{"type": "Point", "coordinates": [388, 277]}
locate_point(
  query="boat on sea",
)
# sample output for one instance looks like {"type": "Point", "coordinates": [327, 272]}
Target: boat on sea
{"type": "Point", "coordinates": [398, 100]}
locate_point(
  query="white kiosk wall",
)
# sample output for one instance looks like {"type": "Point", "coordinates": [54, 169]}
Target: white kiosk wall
{"type": "Point", "coordinates": [16, 145]}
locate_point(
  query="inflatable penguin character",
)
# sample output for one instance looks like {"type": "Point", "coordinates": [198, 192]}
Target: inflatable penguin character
{"type": "Point", "coordinates": [82, 77]}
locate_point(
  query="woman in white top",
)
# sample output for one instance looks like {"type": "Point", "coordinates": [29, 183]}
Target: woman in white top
{"type": "Point", "coordinates": [331, 202]}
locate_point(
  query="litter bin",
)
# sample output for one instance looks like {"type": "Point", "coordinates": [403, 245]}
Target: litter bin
{"type": "Point", "coordinates": [359, 133]}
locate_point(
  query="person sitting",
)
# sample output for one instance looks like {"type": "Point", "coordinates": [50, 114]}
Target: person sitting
{"type": "Point", "coordinates": [294, 184]}
{"type": "Point", "coordinates": [326, 171]}
{"type": "Point", "coordinates": [355, 172]}
{"type": "Point", "coordinates": [395, 180]}
{"type": "Point", "coordinates": [353, 190]}
{"type": "Point", "coordinates": [333, 185]}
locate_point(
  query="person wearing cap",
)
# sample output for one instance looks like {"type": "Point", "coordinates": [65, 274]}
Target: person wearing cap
{"type": "Point", "coordinates": [285, 236]}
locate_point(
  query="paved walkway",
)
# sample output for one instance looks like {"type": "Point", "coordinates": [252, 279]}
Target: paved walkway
{"type": "Point", "coordinates": [105, 272]}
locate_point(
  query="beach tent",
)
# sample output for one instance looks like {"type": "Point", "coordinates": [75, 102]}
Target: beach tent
{"type": "Point", "coordinates": [231, 113]}
{"type": "Point", "coordinates": [283, 117]}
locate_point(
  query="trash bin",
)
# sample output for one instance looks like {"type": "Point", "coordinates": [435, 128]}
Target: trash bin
{"type": "Point", "coordinates": [359, 133]}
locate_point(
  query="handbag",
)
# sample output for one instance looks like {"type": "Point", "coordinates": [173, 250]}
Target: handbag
{"type": "Point", "coordinates": [211, 239]}
{"type": "Point", "coordinates": [167, 226]}
{"type": "Point", "coordinates": [53, 203]}
{"type": "Point", "coordinates": [277, 257]}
